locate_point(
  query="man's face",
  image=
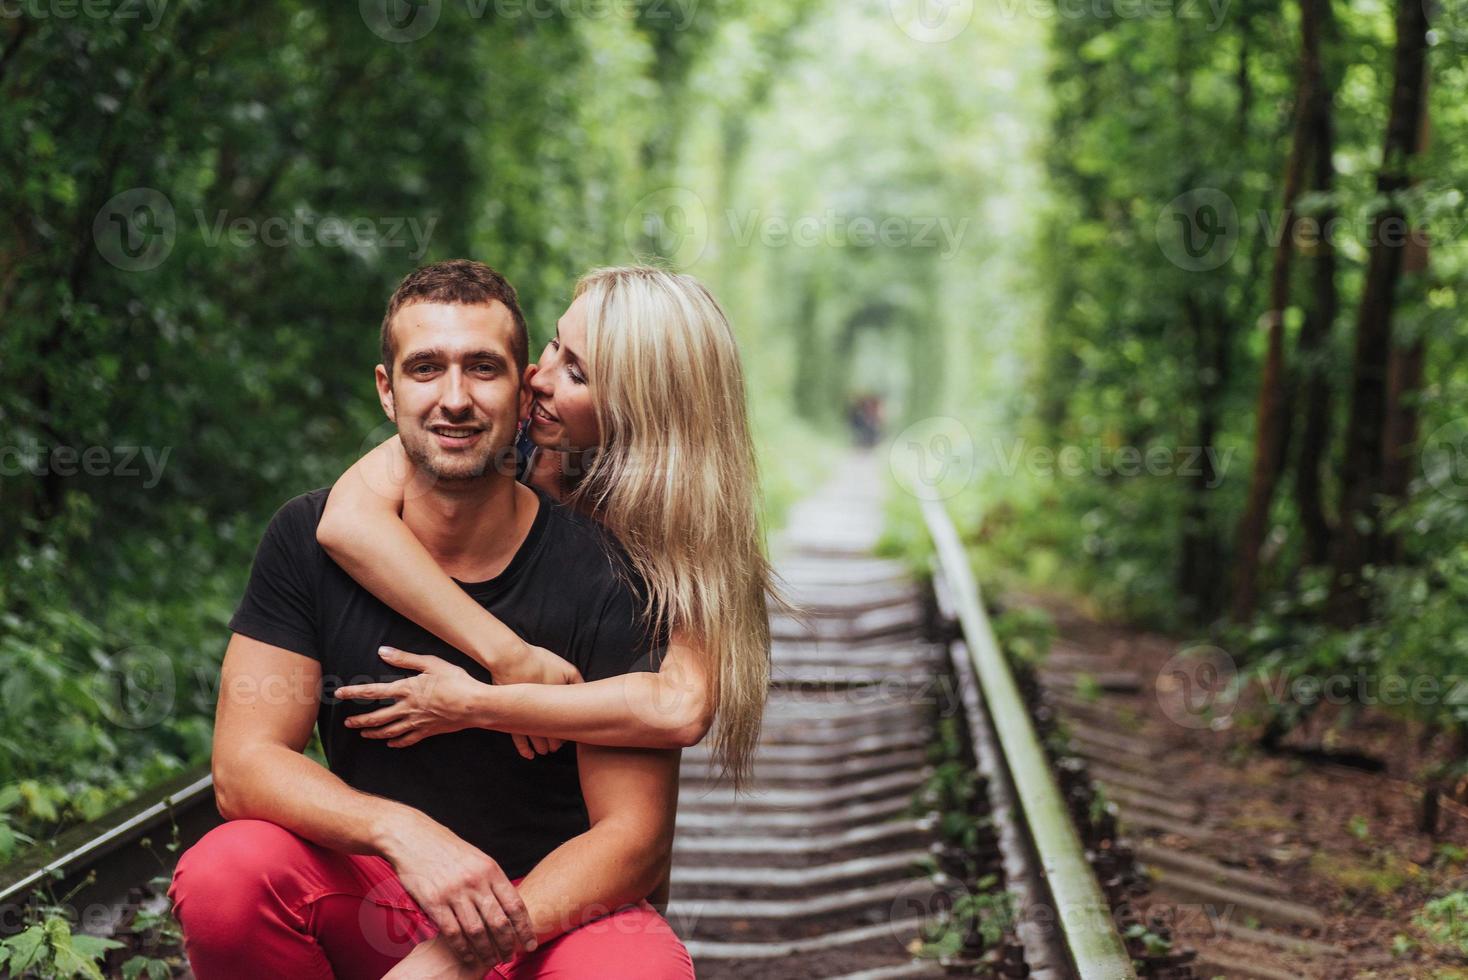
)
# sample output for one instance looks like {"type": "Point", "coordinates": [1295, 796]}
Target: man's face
{"type": "Point", "coordinates": [454, 392]}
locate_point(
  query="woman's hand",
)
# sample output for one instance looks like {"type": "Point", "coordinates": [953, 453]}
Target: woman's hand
{"type": "Point", "coordinates": [530, 664]}
{"type": "Point", "coordinates": [440, 699]}
{"type": "Point", "coordinates": [435, 701]}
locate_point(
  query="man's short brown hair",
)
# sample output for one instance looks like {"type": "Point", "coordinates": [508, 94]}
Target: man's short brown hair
{"type": "Point", "coordinates": [461, 281]}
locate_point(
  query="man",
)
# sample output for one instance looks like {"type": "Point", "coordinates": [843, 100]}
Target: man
{"type": "Point", "coordinates": [456, 854]}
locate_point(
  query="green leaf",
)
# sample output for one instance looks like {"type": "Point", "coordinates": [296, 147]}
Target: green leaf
{"type": "Point", "coordinates": [94, 946]}
{"type": "Point", "coordinates": [77, 955]}
{"type": "Point", "coordinates": [38, 798]}
{"type": "Point", "coordinates": [70, 963]}
{"type": "Point", "coordinates": [26, 949]}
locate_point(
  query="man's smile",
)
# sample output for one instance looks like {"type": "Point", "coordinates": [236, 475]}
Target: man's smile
{"type": "Point", "coordinates": [456, 436]}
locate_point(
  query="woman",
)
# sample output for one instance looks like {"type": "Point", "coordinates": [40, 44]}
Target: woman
{"type": "Point", "coordinates": [639, 420]}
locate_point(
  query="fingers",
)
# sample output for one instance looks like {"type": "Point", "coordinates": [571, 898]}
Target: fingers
{"type": "Point", "coordinates": [514, 907]}
{"type": "Point", "coordinates": [452, 931]}
{"type": "Point", "coordinates": [477, 938]}
{"type": "Point", "coordinates": [500, 929]}
{"type": "Point", "coordinates": [366, 692]}
{"type": "Point", "coordinates": [382, 716]}
{"type": "Point", "coordinates": [522, 745]}
{"type": "Point", "coordinates": [402, 658]}
{"type": "Point", "coordinates": [390, 731]}
{"type": "Point", "coordinates": [540, 744]}
{"type": "Point", "coordinates": [556, 743]}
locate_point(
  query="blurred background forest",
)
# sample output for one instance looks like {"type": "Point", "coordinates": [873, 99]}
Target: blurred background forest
{"type": "Point", "coordinates": [1165, 296]}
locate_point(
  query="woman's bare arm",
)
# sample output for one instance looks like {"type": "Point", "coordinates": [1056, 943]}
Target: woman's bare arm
{"type": "Point", "coordinates": [363, 531]}
{"type": "Point", "coordinates": [672, 708]}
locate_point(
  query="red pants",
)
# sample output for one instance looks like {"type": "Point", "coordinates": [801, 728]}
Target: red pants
{"type": "Point", "coordinates": [256, 900]}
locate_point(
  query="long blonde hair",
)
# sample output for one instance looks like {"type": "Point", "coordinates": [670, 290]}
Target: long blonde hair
{"type": "Point", "coordinates": [675, 479]}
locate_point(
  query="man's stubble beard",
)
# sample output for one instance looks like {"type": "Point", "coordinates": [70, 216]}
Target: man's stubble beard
{"type": "Point", "coordinates": [444, 467]}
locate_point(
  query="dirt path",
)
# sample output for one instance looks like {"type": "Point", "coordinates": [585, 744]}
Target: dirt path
{"type": "Point", "coordinates": [1269, 866]}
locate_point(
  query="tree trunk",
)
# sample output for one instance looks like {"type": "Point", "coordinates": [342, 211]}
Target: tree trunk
{"type": "Point", "coordinates": [1273, 412]}
{"type": "Point", "coordinates": [1198, 546]}
{"type": "Point", "coordinates": [18, 32]}
{"type": "Point", "coordinates": [1404, 381]}
{"type": "Point", "coordinates": [1320, 313]}
{"type": "Point", "coordinates": [1359, 540]}
{"type": "Point", "coordinates": [1198, 579]}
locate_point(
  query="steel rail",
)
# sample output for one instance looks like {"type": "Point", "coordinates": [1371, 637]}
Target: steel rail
{"type": "Point", "coordinates": [105, 858]}
{"type": "Point", "coordinates": [1083, 922]}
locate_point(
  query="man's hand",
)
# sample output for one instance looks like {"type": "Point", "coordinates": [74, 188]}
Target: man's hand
{"type": "Point", "coordinates": [478, 912]}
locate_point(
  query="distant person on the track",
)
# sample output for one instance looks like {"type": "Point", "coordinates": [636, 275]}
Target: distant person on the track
{"type": "Point", "coordinates": [864, 415]}
{"type": "Point", "coordinates": [407, 856]}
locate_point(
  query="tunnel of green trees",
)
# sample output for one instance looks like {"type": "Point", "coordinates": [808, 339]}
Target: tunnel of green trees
{"type": "Point", "coordinates": [1172, 292]}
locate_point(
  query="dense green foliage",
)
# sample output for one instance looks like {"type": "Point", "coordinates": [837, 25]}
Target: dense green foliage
{"type": "Point", "coordinates": [1217, 299]}
{"type": "Point", "coordinates": [209, 203]}
{"type": "Point", "coordinates": [1047, 240]}
{"type": "Point", "coordinates": [1150, 110]}
{"type": "Point", "coordinates": [1169, 168]}
{"type": "Point", "coordinates": [206, 208]}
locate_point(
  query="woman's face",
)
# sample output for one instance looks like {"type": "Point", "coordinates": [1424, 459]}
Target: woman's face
{"type": "Point", "coordinates": [562, 416]}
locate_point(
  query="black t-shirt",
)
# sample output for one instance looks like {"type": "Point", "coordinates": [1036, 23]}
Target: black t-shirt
{"type": "Point", "coordinates": [568, 588]}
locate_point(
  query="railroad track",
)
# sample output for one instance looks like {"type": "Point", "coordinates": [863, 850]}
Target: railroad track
{"type": "Point", "coordinates": [1244, 923]}
{"type": "Point", "coordinates": [814, 871]}
{"type": "Point", "coordinates": [842, 852]}
{"type": "Point", "coordinates": [827, 868]}
{"type": "Point", "coordinates": [100, 871]}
